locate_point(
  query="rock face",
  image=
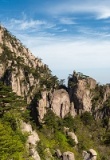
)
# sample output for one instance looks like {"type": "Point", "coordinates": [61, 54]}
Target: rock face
{"type": "Point", "coordinates": [25, 73]}
{"type": "Point", "coordinates": [90, 155]}
{"type": "Point", "coordinates": [33, 138]}
{"type": "Point", "coordinates": [60, 103]}
{"type": "Point", "coordinates": [101, 102]}
{"type": "Point", "coordinates": [106, 92]}
{"type": "Point", "coordinates": [80, 92]}
{"type": "Point", "coordinates": [42, 105]}
{"type": "Point", "coordinates": [88, 96]}
{"type": "Point", "coordinates": [68, 156]}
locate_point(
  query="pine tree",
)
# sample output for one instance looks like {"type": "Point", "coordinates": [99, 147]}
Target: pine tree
{"type": "Point", "coordinates": [8, 99]}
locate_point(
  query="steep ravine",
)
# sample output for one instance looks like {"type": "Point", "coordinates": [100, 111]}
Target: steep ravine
{"type": "Point", "coordinates": [64, 119]}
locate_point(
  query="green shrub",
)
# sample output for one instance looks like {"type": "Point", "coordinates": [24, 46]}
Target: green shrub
{"type": "Point", "coordinates": [68, 121]}
{"type": "Point", "coordinates": [71, 141]}
{"type": "Point", "coordinates": [87, 118]}
{"type": "Point", "coordinates": [107, 138]}
{"type": "Point", "coordinates": [11, 145]}
{"type": "Point", "coordinates": [52, 121]}
{"type": "Point", "coordinates": [10, 120]}
{"type": "Point", "coordinates": [26, 115]}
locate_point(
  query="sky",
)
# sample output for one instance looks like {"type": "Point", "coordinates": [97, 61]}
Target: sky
{"type": "Point", "coordinates": [67, 35]}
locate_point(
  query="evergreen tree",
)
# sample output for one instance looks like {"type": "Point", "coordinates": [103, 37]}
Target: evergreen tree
{"type": "Point", "coordinates": [8, 99]}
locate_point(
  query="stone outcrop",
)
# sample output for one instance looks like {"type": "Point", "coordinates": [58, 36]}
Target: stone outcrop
{"type": "Point", "coordinates": [86, 95]}
{"type": "Point", "coordinates": [80, 92]}
{"type": "Point", "coordinates": [73, 136]}
{"type": "Point", "coordinates": [58, 153]}
{"type": "Point", "coordinates": [68, 156]}
{"type": "Point", "coordinates": [42, 106]}
{"type": "Point", "coordinates": [65, 156]}
{"type": "Point", "coordinates": [106, 92]}
{"type": "Point", "coordinates": [60, 103]}
{"type": "Point", "coordinates": [101, 103]}
{"type": "Point", "coordinates": [91, 154]}
{"type": "Point", "coordinates": [32, 140]}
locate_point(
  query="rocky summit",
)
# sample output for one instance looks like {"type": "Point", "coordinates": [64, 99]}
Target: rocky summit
{"type": "Point", "coordinates": [40, 119]}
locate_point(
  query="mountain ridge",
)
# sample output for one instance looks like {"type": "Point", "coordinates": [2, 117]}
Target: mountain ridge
{"type": "Point", "coordinates": [60, 113]}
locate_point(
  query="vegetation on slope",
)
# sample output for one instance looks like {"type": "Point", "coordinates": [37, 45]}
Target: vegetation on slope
{"type": "Point", "coordinates": [90, 133]}
{"type": "Point", "coordinates": [12, 140]}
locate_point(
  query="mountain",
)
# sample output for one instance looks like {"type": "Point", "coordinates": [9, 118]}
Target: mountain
{"type": "Point", "coordinates": [20, 69]}
{"type": "Point", "coordinates": [40, 119]}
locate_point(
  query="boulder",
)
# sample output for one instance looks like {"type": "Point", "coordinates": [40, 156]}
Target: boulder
{"type": "Point", "coordinates": [86, 155]}
{"type": "Point", "coordinates": [34, 154]}
{"type": "Point", "coordinates": [91, 154]}
{"type": "Point", "coordinates": [73, 136]}
{"type": "Point", "coordinates": [68, 156]}
{"type": "Point", "coordinates": [58, 153]}
{"type": "Point", "coordinates": [33, 138]}
{"type": "Point", "coordinates": [66, 130]}
{"type": "Point", "coordinates": [26, 127]}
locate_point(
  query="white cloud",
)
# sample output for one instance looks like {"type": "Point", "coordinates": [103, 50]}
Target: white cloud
{"type": "Point", "coordinates": [26, 24]}
{"type": "Point", "coordinates": [66, 20]}
{"type": "Point", "coordinates": [99, 8]}
{"type": "Point", "coordinates": [70, 53]}
{"type": "Point", "coordinates": [103, 12]}
{"type": "Point", "coordinates": [101, 33]}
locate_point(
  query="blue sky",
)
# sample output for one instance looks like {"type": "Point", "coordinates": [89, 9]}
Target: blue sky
{"type": "Point", "coordinates": [66, 34]}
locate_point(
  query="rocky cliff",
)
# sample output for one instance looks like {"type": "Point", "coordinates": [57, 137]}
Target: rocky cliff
{"type": "Point", "coordinates": [88, 96]}
{"type": "Point", "coordinates": [19, 68]}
